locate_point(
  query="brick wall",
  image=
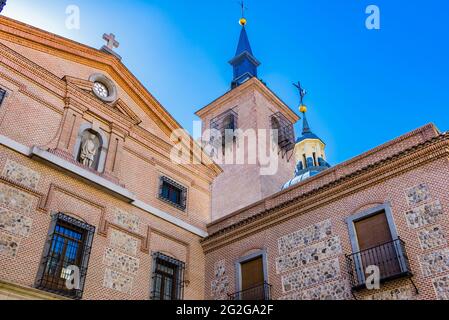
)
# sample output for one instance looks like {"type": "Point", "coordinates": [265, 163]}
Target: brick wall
{"type": "Point", "coordinates": [306, 240]}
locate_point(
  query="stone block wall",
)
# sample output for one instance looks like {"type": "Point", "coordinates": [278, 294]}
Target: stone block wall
{"type": "Point", "coordinates": [120, 265]}
{"type": "Point", "coordinates": [309, 271]}
{"type": "Point", "coordinates": [426, 217]}
{"type": "Point", "coordinates": [306, 240]}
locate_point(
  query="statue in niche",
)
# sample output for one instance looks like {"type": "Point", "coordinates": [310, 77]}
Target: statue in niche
{"type": "Point", "coordinates": [89, 150]}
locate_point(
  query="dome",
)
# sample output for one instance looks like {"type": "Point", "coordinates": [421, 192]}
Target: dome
{"type": "Point", "coordinates": [301, 177]}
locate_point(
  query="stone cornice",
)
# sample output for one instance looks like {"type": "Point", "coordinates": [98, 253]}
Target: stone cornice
{"type": "Point", "coordinates": [254, 84]}
{"type": "Point", "coordinates": [31, 37]}
{"type": "Point", "coordinates": [419, 155]}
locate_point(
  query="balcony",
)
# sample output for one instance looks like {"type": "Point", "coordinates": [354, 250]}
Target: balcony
{"type": "Point", "coordinates": [391, 258]}
{"type": "Point", "coordinates": [258, 293]}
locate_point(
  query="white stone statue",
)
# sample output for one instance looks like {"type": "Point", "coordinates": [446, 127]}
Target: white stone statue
{"type": "Point", "coordinates": [88, 151]}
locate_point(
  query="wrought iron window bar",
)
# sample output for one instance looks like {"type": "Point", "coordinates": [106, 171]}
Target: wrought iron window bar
{"type": "Point", "coordinates": [225, 124]}
{"type": "Point", "coordinates": [69, 244]}
{"type": "Point", "coordinates": [167, 270]}
{"type": "Point", "coordinates": [182, 203]}
{"type": "Point", "coordinates": [258, 293]}
{"type": "Point", "coordinates": [286, 133]}
{"type": "Point", "coordinates": [2, 95]}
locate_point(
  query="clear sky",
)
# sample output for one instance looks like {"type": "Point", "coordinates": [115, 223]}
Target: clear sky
{"type": "Point", "coordinates": [365, 87]}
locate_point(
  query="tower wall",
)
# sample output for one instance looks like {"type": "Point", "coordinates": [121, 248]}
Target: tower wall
{"type": "Point", "coordinates": [243, 184]}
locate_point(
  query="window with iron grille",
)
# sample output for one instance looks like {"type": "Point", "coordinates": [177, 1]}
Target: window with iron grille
{"type": "Point", "coordinates": [173, 193]}
{"type": "Point", "coordinates": [2, 95]}
{"type": "Point", "coordinates": [168, 278]}
{"type": "Point", "coordinates": [68, 246]}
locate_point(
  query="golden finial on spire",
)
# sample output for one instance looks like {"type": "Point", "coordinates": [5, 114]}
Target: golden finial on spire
{"type": "Point", "coordinates": [242, 20]}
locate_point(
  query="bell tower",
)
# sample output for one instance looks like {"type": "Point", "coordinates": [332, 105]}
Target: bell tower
{"type": "Point", "coordinates": [253, 118]}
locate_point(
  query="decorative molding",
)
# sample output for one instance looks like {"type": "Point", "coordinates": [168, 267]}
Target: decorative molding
{"type": "Point", "coordinates": [31, 37]}
{"type": "Point", "coordinates": [121, 192]}
{"type": "Point", "coordinates": [263, 219]}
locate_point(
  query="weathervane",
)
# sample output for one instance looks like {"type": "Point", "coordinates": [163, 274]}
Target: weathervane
{"type": "Point", "coordinates": [302, 93]}
{"type": "Point", "coordinates": [2, 4]}
{"type": "Point", "coordinates": [242, 20]}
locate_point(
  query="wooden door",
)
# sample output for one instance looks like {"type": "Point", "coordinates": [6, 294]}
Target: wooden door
{"type": "Point", "coordinates": [253, 279]}
{"type": "Point", "coordinates": [376, 245]}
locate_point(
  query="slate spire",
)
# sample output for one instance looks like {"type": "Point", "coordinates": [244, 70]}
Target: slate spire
{"type": "Point", "coordinates": [244, 63]}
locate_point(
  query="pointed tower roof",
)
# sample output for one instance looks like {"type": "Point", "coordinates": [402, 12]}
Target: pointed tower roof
{"type": "Point", "coordinates": [244, 63]}
{"type": "Point", "coordinates": [244, 44]}
{"type": "Point", "coordinates": [306, 130]}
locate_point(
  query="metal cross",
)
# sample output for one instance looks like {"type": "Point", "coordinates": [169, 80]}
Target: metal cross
{"type": "Point", "coordinates": [302, 91]}
{"type": "Point", "coordinates": [111, 42]}
{"type": "Point", "coordinates": [242, 4]}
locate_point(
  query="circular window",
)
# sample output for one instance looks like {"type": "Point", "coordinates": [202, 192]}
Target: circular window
{"type": "Point", "coordinates": [101, 90]}
{"type": "Point", "coordinates": [103, 87]}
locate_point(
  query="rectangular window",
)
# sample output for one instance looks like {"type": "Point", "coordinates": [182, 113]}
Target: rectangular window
{"type": "Point", "coordinates": [2, 95]}
{"type": "Point", "coordinates": [173, 193]}
{"type": "Point", "coordinates": [375, 243]}
{"type": "Point", "coordinates": [168, 278]}
{"type": "Point", "coordinates": [66, 256]}
{"type": "Point", "coordinates": [252, 281]}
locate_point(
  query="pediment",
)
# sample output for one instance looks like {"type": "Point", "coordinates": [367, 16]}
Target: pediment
{"type": "Point", "coordinates": [118, 105]}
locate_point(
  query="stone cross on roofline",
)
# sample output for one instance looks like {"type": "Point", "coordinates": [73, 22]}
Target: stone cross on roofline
{"type": "Point", "coordinates": [111, 43]}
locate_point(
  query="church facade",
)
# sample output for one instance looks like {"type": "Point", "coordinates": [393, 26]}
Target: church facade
{"type": "Point", "coordinates": [87, 186]}
{"type": "Point", "coordinates": [93, 207]}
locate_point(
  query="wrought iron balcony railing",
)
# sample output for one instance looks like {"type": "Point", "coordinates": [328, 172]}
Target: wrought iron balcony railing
{"type": "Point", "coordinates": [257, 293]}
{"type": "Point", "coordinates": [391, 259]}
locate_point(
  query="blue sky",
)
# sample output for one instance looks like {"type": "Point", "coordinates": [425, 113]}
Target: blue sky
{"type": "Point", "coordinates": [365, 87]}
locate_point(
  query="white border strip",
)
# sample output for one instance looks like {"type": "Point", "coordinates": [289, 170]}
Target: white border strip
{"type": "Point", "coordinates": [116, 189]}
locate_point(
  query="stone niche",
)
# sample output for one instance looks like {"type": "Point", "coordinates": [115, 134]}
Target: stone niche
{"type": "Point", "coordinates": [307, 277]}
{"type": "Point", "coordinates": [432, 237]}
{"type": "Point", "coordinates": [220, 284]}
{"type": "Point", "coordinates": [124, 242]}
{"type": "Point", "coordinates": [403, 293]}
{"type": "Point", "coordinates": [117, 281]}
{"type": "Point", "coordinates": [441, 286]}
{"type": "Point", "coordinates": [304, 237]}
{"type": "Point", "coordinates": [424, 215]}
{"type": "Point", "coordinates": [418, 194]}
{"type": "Point", "coordinates": [15, 223]}
{"type": "Point", "coordinates": [336, 290]}
{"type": "Point", "coordinates": [435, 262]}
{"type": "Point", "coordinates": [120, 261]}
{"type": "Point", "coordinates": [311, 254]}
{"type": "Point", "coordinates": [15, 199]}
{"type": "Point", "coordinates": [21, 174]}
{"type": "Point", "coordinates": [126, 220]}
{"type": "Point", "coordinates": [8, 245]}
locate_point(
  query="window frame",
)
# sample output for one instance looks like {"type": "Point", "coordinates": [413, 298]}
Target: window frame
{"type": "Point", "coordinates": [352, 220]}
{"type": "Point", "coordinates": [3, 95]}
{"type": "Point", "coordinates": [178, 277]}
{"type": "Point", "coordinates": [248, 258]}
{"type": "Point", "coordinates": [67, 222]}
{"type": "Point", "coordinates": [182, 205]}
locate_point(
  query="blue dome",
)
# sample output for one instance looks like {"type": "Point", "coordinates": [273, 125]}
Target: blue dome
{"type": "Point", "coordinates": [306, 175]}
{"type": "Point", "coordinates": [306, 136]}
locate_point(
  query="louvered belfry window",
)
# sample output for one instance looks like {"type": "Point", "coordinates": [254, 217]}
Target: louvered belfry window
{"type": "Point", "coordinates": [168, 278]}
{"type": "Point", "coordinates": [68, 247]}
{"type": "Point", "coordinates": [173, 193]}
